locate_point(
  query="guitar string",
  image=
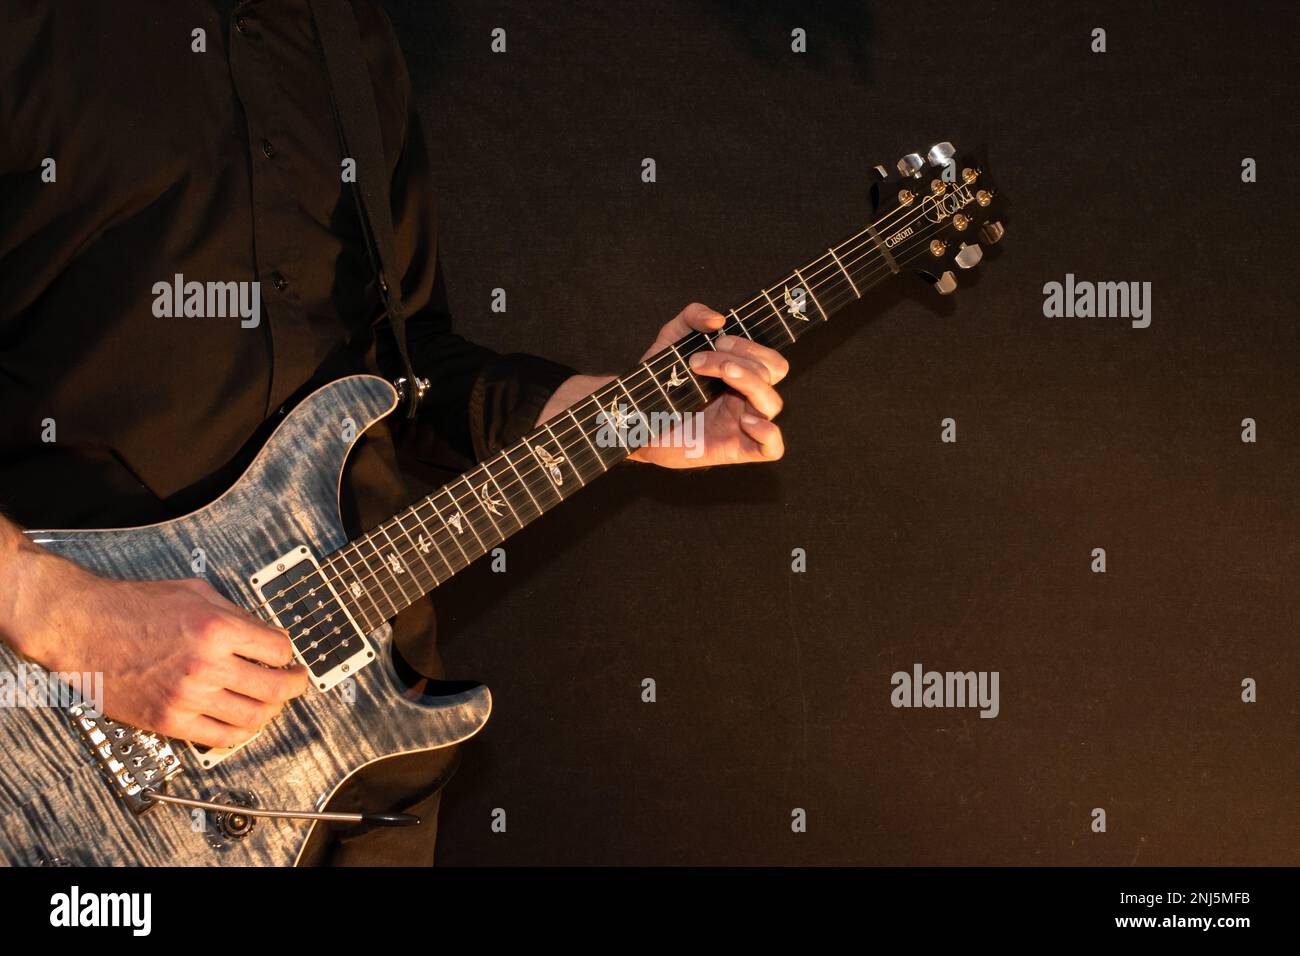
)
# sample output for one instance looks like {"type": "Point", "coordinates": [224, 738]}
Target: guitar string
{"type": "Point", "coordinates": [837, 267]}
{"type": "Point", "coordinates": [833, 292]}
{"type": "Point", "coordinates": [835, 295]}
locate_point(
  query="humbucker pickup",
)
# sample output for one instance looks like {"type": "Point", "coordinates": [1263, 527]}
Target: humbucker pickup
{"type": "Point", "coordinates": [325, 636]}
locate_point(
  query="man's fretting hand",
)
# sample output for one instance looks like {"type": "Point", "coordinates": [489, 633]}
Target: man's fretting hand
{"type": "Point", "coordinates": [737, 426]}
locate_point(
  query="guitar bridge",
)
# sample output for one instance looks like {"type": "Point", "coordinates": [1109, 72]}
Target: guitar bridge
{"type": "Point", "coordinates": [133, 760]}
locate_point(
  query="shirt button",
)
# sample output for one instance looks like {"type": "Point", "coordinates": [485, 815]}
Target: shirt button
{"type": "Point", "coordinates": [267, 148]}
{"type": "Point", "coordinates": [279, 281]}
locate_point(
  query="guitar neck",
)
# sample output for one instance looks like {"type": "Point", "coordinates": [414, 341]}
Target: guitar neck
{"type": "Point", "coordinates": [410, 554]}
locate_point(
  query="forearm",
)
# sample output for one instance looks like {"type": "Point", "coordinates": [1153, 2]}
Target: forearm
{"type": "Point", "coordinates": [37, 592]}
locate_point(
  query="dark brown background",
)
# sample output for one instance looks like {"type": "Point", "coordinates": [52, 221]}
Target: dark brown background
{"type": "Point", "coordinates": [1118, 690]}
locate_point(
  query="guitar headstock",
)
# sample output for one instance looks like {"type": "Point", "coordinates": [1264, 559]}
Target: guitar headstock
{"type": "Point", "coordinates": [937, 212]}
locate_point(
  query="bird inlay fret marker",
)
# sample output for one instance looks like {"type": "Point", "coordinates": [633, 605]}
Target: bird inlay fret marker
{"type": "Point", "coordinates": [796, 306]}
{"type": "Point", "coordinates": [491, 504]}
{"type": "Point", "coordinates": [551, 463]}
{"type": "Point", "coordinates": [618, 418]}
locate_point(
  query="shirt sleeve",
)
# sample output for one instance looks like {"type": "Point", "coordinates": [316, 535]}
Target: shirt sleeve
{"type": "Point", "coordinates": [478, 400]}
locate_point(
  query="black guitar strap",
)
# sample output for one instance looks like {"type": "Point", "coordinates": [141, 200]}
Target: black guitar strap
{"type": "Point", "coordinates": [357, 117]}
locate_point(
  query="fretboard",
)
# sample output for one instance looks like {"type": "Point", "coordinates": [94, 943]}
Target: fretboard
{"type": "Point", "coordinates": [397, 563]}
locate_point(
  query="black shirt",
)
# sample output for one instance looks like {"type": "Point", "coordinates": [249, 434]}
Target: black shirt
{"type": "Point", "coordinates": [220, 164]}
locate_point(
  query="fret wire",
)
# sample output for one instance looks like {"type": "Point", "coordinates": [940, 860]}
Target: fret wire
{"type": "Point", "coordinates": [466, 516]}
{"type": "Point", "coordinates": [496, 482]}
{"type": "Point", "coordinates": [852, 285]}
{"type": "Point", "coordinates": [611, 421]}
{"type": "Point", "coordinates": [808, 288]}
{"type": "Point", "coordinates": [733, 314]}
{"type": "Point", "coordinates": [415, 511]}
{"type": "Point", "coordinates": [566, 456]}
{"type": "Point", "coordinates": [505, 453]}
{"type": "Point", "coordinates": [583, 432]}
{"type": "Point", "coordinates": [396, 575]}
{"type": "Point", "coordinates": [340, 585]}
{"type": "Point", "coordinates": [686, 366]}
{"type": "Point", "coordinates": [478, 498]}
{"type": "Point", "coordinates": [446, 524]}
{"type": "Point", "coordinates": [778, 315]}
{"type": "Point", "coordinates": [538, 474]}
{"type": "Point", "coordinates": [655, 378]}
{"type": "Point", "coordinates": [670, 362]}
{"type": "Point", "coordinates": [369, 575]}
{"type": "Point", "coordinates": [864, 266]}
{"type": "Point", "coordinates": [545, 469]}
{"type": "Point", "coordinates": [374, 575]}
{"type": "Point", "coordinates": [423, 555]}
{"type": "Point", "coordinates": [608, 391]}
{"type": "Point", "coordinates": [630, 400]}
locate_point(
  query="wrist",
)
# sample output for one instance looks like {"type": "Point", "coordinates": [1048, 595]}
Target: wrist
{"type": "Point", "coordinates": [570, 391]}
{"type": "Point", "coordinates": [31, 579]}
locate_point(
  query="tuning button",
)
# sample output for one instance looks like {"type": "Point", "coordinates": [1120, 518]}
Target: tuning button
{"type": "Point", "coordinates": [969, 255]}
{"type": "Point", "coordinates": [992, 232]}
{"type": "Point", "coordinates": [940, 154]}
{"type": "Point", "coordinates": [946, 284]}
{"type": "Point", "coordinates": [911, 165]}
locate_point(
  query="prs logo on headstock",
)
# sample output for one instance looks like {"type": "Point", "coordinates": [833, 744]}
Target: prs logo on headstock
{"type": "Point", "coordinates": [936, 212]}
{"type": "Point", "coordinates": [939, 206]}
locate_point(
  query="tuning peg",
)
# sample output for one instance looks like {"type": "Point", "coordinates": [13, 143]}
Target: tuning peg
{"type": "Point", "coordinates": [992, 232]}
{"type": "Point", "coordinates": [911, 165]}
{"type": "Point", "coordinates": [969, 255]}
{"type": "Point", "coordinates": [940, 154]}
{"type": "Point", "coordinates": [946, 284]}
{"type": "Point", "coordinates": [880, 172]}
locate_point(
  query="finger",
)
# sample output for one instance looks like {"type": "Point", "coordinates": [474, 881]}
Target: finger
{"type": "Point", "coordinates": [715, 363]}
{"type": "Point", "coordinates": [239, 711]}
{"type": "Point", "coordinates": [214, 733]}
{"type": "Point", "coordinates": [694, 318]}
{"type": "Point", "coordinates": [766, 435]}
{"type": "Point", "coordinates": [748, 381]}
{"type": "Point", "coordinates": [252, 640]}
{"type": "Point", "coordinates": [771, 359]}
{"type": "Point", "coordinates": [266, 684]}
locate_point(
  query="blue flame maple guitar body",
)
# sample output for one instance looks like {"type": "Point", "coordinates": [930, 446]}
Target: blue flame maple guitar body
{"type": "Point", "coordinates": [56, 805]}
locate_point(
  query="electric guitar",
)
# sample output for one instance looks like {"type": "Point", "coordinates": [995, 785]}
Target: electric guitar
{"type": "Point", "coordinates": [79, 788]}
